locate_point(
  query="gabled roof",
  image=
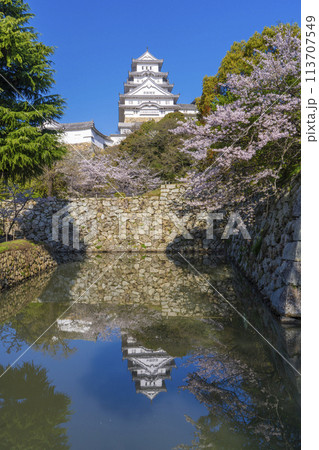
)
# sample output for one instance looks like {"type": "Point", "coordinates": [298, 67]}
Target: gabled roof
{"type": "Point", "coordinates": [147, 56]}
{"type": "Point", "coordinates": [146, 83]}
{"type": "Point", "coordinates": [53, 125]}
{"type": "Point", "coordinates": [150, 392]}
{"type": "Point", "coordinates": [77, 126]}
{"type": "Point", "coordinates": [154, 74]}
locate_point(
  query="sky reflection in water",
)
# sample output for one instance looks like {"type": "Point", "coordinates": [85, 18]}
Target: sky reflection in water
{"type": "Point", "coordinates": [149, 358]}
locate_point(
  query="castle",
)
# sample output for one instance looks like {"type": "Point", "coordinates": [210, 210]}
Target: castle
{"type": "Point", "coordinates": [149, 368]}
{"type": "Point", "coordinates": [147, 95]}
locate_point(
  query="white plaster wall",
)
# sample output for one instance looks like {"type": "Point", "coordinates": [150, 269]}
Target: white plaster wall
{"type": "Point", "coordinates": [188, 112]}
{"type": "Point", "coordinates": [82, 136]}
{"type": "Point", "coordinates": [147, 65]}
{"type": "Point", "coordinates": [77, 137]}
{"type": "Point", "coordinates": [141, 80]}
{"type": "Point", "coordinates": [98, 140]}
{"type": "Point", "coordinates": [116, 139]}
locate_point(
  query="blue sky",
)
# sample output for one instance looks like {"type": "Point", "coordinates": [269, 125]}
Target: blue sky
{"type": "Point", "coordinates": [96, 40]}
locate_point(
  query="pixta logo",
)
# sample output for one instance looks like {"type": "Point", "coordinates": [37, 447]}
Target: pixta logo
{"type": "Point", "coordinates": [64, 223]}
{"type": "Point", "coordinates": [152, 225]}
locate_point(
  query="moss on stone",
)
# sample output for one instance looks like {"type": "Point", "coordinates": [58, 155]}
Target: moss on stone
{"type": "Point", "coordinates": [18, 244]}
{"type": "Point", "coordinates": [154, 193]}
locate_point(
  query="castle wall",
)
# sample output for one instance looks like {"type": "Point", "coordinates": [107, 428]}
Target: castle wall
{"type": "Point", "coordinates": [165, 223]}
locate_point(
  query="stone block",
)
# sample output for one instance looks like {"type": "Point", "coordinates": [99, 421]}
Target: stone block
{"type": "Point", "coordinates": [286, 301]}
{"type": "Point", "coordinates": [296, 209]}
{"type": "Point", "coordinates": [291, 273]}
{"type": "Point", "coordinates": [292, 251]}
{"type": "Point", "coordinates": [297, 230]}
{"type": "Point", "coordinates": [284, 211]}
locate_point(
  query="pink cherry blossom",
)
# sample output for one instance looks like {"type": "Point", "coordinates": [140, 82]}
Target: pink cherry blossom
{"type": "Point", "coordinates": [266, 112]}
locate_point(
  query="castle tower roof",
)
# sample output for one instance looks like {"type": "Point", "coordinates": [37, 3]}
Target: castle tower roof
{"type": "Point", "coordinates": [147, 57]}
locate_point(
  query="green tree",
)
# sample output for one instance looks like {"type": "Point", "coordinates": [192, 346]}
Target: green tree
{"type": "Point", "coordinates": [158, 148]}
{"type": "Point", "coordinates": [237, 60]}
{"type": "Point", "coordinates": [26, 80]}
{"type": "Point", "coordinates": [32, 411]}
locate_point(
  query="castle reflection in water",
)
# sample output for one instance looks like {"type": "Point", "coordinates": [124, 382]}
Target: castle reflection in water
{"type": "Point", "coordinates": [149, 368]}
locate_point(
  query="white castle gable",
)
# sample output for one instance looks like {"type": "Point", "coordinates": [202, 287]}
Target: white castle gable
{"type": "Point", "coordinates": [147, 57]}
{"type": "Point", "coordinates": [149, 87]}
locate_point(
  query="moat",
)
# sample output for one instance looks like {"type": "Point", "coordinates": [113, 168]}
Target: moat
{"type": "Point", "coordinates": [149, 357]}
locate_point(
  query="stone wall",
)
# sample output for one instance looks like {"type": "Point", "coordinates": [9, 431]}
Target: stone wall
{"type": "Point", "coordinates": [145, 223]}
{"type": "Point", "coordinates": [149, 280]}
{"type": "Point", "coordinates": [158, 223]}
{"type": "Point", "coordinates": [272, 260]}
{"type": "Point", "coordinates": [17, 265]}
{"type": "Point", "coordinates": [13, 300]}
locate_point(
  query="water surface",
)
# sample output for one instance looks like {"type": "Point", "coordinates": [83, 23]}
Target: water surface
{"type": "Point", "coordinates": [149, 357]}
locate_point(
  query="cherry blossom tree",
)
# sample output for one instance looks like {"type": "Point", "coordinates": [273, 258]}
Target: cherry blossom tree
{"type": "Point", "coordinates": [116, 174]}
{"type": "Point", "coordinates": [240, 401]}
{"type": "Point", "coordinates": [255, 139]}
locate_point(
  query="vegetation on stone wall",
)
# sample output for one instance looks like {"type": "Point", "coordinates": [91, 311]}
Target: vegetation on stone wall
{"type": "Point", "coordinates": [22, 259]}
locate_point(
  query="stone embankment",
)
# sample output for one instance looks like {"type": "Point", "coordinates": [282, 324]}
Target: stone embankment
{"type": "Point", "coordinates": [272, 259]}
{"type": "Point", "coordinates": [20, 262]}
{"type": "Point", "coordinates": [154, 223]}
{"type": "Point", "coordinates": [165, 223]}
{"type": "Point", "coordinates": [13, 300]}
{"type": "Point", "coordinates": [151, 280]}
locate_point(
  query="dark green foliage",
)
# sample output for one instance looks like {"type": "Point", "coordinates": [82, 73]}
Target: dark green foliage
{"type": "Point", "coordinates": [177, 336]}
{"type": "Point", "coordinates": [50, 184]}
{"type": "Point", "coordinates": [32, 411]}
{"type": "Point", "coordinates": [26, 79]}
{"type": "Point", "coordinates": [159, 147]}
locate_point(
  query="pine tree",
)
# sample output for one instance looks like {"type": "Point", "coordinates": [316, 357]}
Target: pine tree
{"type": "Point", "coordinates": [26, 102]}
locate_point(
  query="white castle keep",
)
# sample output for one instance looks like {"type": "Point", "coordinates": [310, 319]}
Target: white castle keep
{"type": "Point", "coordinates": [147, 96]}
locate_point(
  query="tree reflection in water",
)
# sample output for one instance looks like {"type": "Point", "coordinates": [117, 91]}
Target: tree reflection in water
{"type": "Point", "coordinates": [250, 394]}
{"type": "Point", "coordinates": [28, 327]}
{"type": "Point", "coordinates": [249, 406]}
{"type": "Point", "coordinates": [32, 412]}
{"type": "Point", "coordinates": [251, 401]}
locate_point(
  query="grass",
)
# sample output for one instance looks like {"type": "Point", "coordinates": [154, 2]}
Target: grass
{"type": "Point", "coordinates": [18, 244]}
{"type": "Point", "coordinates": [156, 192]}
